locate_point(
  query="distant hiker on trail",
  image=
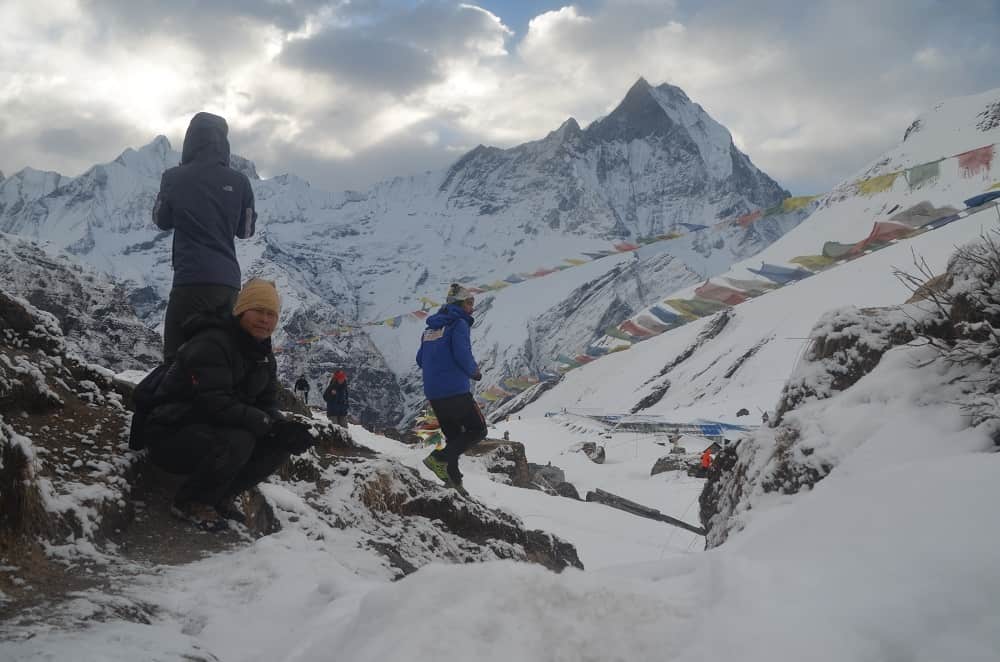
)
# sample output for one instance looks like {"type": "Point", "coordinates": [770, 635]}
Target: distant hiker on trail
{"type": "Point", "coordinates": [445, 357]}
{"type": "Point", "coordinates": [206, 203]}
{"type": "Point", "coordinates": [335, 397]}
{"type": "Point", "coordinates": [302, 389]}
{"type": "Point", "coordinates": [743, 412]}
{"type": "Point", "coordinates": [706, 461]}
{"type": "Point", "coordinates": [218, 418]}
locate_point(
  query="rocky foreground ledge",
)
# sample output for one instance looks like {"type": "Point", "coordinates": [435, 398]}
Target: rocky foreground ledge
{"type": "Point", "coordinates": [79, 511]}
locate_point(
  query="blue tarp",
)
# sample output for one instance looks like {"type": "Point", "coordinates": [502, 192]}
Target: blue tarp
{"type": "Point", "coordinates": [982, 199]}
{"type": "Point", "coordinates": [779, 274]}
{"type": "Point", "coordinates": [711, 430]}
{"type": "Point", "coordinates": [726, 426]}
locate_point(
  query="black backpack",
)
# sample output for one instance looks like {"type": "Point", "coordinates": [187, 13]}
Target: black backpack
{"type": "Point", "coordinates": [143, 401]}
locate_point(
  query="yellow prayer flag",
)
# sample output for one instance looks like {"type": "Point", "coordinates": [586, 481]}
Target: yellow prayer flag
{"type": "Point", "coordinates": [798, 202]}
{"type": "Point", "coordinates": [878, 184]}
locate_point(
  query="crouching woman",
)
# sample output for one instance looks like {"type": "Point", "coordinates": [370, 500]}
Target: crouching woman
{"type": "Point", "coordinates": [217, 421]}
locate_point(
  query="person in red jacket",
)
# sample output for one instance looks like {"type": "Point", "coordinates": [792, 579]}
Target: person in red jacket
{"type": "Point", "coordinates": [706, 460]}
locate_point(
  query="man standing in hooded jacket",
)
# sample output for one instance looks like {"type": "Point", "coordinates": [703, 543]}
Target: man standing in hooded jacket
{"type": "Point", "coordinates": [445, 357]}
{"type": "Point", "coordinates": [206, 203]}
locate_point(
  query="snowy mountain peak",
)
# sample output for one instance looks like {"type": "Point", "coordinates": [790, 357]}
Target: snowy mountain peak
{"type": "Point", "coordinates": [567, 131]}
{"type": "Point", "coordinates": [151, 159]}
{"type": "Point", "coordinates": [639, 115]}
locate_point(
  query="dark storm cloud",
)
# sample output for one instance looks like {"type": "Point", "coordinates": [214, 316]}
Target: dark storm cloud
{"type": "Point", "coordinates": [398, 51]}
{"type": "Point", "coordinates": [366, 60]}
{"type": "Point", "coordinates": [68, 138]}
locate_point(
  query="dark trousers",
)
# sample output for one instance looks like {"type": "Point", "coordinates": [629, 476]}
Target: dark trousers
{"type": "Point", "coordinates": [462, 425]}
{"type": "Point", "coordinates": [188, 300]}
{"type": "Point", "coordinates": [221, 461]}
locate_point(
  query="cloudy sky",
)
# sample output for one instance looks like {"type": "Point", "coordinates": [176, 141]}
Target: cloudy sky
{"type": "Point", "coordinates": [348, 92]}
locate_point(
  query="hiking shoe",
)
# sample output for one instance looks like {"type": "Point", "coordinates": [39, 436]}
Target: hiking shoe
{"type": "Point", "coordinates": [439, 468]}
{"type": "Point", "coordinates": [228, 509]}
{"type": "Point", "coordinates": [201, 515]}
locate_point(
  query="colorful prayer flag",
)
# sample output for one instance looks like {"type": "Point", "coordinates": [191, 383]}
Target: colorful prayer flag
{"type": "Point", "coordinates": [878, 184]}
{"type": "Point", "coordinates": [925, 172]}
{"type": "Point", "coordinates": [975, 161]}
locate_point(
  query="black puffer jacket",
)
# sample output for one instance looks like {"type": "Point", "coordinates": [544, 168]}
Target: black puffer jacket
{"type": "Point", "coordinates": [222, 376]}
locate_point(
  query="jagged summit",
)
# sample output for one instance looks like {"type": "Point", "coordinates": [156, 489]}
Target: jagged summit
{"type": "Point", "coordinates": [637, 116]}
{"type": "Point", "coordinates": [568, 130]}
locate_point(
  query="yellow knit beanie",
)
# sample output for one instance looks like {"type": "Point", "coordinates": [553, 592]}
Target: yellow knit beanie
{"type": "Point", "coordinates": [260, 294]}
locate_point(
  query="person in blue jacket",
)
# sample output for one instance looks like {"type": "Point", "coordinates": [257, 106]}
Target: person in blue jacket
{"type": "Point", "coordinates": [445, 357]}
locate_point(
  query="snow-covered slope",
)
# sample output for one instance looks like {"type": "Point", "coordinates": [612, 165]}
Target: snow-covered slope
{"type": "Point", "coordinates": [344, 259]}
{"type": "Point", "coordinates": [886, 558]}
{"type": "Point", "coordinates": [747, 362]}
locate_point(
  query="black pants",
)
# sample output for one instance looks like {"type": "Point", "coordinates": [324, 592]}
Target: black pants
{"type": "Point", "coordinates": [188, 300]}
{"type": "Point", "coordinates": [221, 461]}
{"type": "Point", "coordinates": [462, 425]}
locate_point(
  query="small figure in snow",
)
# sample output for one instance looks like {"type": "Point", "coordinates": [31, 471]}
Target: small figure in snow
{"type": "Point", "coordinates": [335, 397]}
{"type": "Point", "coordinates": [302, 389]}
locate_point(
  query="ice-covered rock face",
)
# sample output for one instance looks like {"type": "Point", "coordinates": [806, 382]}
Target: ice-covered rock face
{"type": "Point", "coordinates": [94, 315]}
{"type": "Point", "coordinates": [656, 161]}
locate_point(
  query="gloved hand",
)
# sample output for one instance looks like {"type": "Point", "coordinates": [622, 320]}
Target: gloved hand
{"type": "Point", "coordinates": [293, 435]}
{"type": "Point", "coordinates": [258, 422]}
{"type": "Point", "coordinates": [476, 376]}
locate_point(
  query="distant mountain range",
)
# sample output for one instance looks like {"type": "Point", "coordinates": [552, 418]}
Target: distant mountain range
{"type": "Point", "coordinates": [655, 162]}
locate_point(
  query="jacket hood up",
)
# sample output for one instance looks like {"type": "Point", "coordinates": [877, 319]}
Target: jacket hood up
{"type": "Point", "coordinates": [206, 140]}
{"type": "Point", "coordinates": [448, 314]}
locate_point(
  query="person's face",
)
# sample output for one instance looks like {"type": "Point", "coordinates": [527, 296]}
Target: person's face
{"type": "Point", "coordinates": [259, 323]}
{"type": "Point", "coordinates": [468, 305]}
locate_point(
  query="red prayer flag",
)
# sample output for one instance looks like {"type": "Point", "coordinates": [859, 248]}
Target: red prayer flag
{"type": "Point", "coordinates": [975, 161]}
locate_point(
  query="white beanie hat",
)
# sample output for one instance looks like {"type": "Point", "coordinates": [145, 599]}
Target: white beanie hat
{"type": "Point", "coordinates": [458, 294]}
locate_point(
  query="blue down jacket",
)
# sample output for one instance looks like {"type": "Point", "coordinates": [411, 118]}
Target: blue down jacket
{"type": "Point", "coordinates": [445, 354]}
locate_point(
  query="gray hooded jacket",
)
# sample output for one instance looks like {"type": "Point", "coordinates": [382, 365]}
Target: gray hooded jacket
{"type": "Point", "coordinates": [206, 203]}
